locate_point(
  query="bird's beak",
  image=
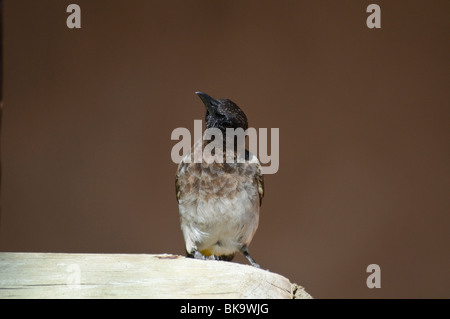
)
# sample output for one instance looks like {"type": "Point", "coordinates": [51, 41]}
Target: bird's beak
{"type": "Point", "coordinates": [209, 102]}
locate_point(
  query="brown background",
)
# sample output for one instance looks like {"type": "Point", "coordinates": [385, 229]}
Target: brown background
{"type": "Point", "coordinates": [364, 118]}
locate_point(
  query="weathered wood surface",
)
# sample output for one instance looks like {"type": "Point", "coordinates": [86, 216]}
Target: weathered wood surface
{"type": "Point", "coordinates": [56, 275]}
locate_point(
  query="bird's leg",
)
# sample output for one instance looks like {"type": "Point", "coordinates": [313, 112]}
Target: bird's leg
{"type": "Point", "coordinates": [213, 257]}
{"type": "Point", "coordinates": [244, 251]}
{"type": "Point", "coordinates": [194, 253]}
{"type": "Point", "coordinates": [198, 255]}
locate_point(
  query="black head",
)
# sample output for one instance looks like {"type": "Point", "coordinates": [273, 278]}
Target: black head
{"type": "Point", "coordinates": [222, 114]}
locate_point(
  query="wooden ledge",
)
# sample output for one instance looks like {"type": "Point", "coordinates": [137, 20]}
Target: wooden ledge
{"type": "Point", "coordinates": [60, 275]}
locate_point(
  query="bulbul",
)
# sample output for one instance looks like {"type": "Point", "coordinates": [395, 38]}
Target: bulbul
{"type": "Point", "coordinates": [219, 202]}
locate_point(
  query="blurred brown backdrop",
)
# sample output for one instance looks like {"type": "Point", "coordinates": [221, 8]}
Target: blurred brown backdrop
{"type": "Point", "coordinates": [364, 118]}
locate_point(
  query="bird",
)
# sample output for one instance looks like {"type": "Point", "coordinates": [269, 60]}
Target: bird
{"type": "Point", "coordinates": [219, 202]}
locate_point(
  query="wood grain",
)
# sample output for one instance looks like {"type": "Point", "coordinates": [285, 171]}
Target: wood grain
{"type": "Point", "coordinates": [58, 275]}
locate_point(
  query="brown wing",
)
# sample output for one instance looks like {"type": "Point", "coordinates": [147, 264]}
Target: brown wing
{"type": "Point", "coordinates": [177, 182]}
{"type": "Point", "coordinates": [177, 188]}
{"type": "Point", "coordinates": [259, 177]}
